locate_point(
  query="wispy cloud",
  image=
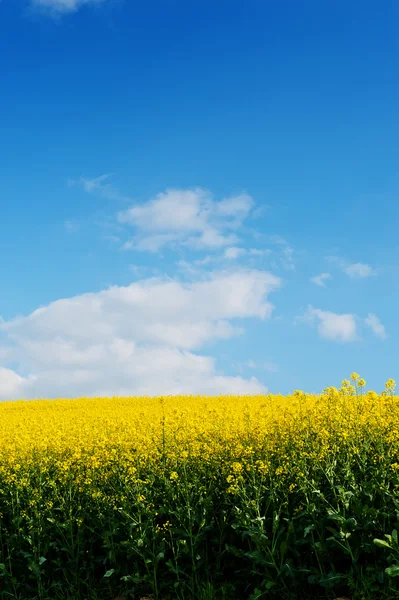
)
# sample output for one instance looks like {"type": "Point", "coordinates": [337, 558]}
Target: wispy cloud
{"type": "Point", "coordinates": [377, 327]}
{"type": "Point", "coordinates": [320, 279]}
{"type": "Point", "coordinates": [359, 270]}
{"type": "Point", "coordinates": [286, 251]}
{"type": "Point", "coordinates": [60, 7]}
{"type": "Point", "coordinates": [259, 251]}
{"type": "Point", "coordinates": [354, 270]}
{"type": "Point", "coordinates": [189, 217]}
{"type": "Point", "coordinates": [234, 252]}
{"type": "Point", "coordinates": [99, 185]}
{"type": "Point", "coordinates": [332, 326]}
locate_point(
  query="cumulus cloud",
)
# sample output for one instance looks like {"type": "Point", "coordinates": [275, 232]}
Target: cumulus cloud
{"type": "Point", "coordinates": [11, 384]}
{"type": "Point", "coordinates": [332, 326]}
{"type": "Point", "coordinates": [188, 217]}
{"type": "Point", "coordinates": [320, 279]}
{"type": "Point", "coordinates": [138, 339]}
{"type": "Point", "coordinates": [377, 327]}
{"type": "Point", "coordinates": [62, 6]}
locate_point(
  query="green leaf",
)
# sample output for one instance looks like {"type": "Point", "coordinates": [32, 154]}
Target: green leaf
{"type": "Point", "coordinates": [109, 573]}
{"type": "Point", "coordinates": [42, 560]}
{"type": "Point", "coordinates": [351, 523]}
{"type": "Point", "coordinates": [392, 571]}
{"type": "Point", "coordinates": [395, 536]}
{"type": "Point", "coordinates": [307, 530]}
{"type": "Point", "coordinates": [330, 580]}
{"type": "Point", "coordinates": [335, 517]}
{"type": "Point", "coordinates": [269, 585]}
{"type": "Point", "coordinates": [382, 543]}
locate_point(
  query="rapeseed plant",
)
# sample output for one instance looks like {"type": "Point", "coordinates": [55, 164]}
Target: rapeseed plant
{"type": "Point", "coordinates": [249, 495]}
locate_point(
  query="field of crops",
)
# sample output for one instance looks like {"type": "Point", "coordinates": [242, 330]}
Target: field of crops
{"type": "Point", "coordinates": [227, 498]}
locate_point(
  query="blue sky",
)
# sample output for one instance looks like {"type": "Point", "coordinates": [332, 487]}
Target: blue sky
{"type": "Point", "coordinates": [197, 197]}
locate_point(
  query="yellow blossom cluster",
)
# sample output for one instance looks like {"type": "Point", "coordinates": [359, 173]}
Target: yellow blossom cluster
{"type": "Point", "coordinates": [92, 442]}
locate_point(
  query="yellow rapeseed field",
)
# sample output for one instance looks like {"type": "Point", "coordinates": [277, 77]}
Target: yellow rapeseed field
{"type": "Point", "coordinates": [240, 432]}
{"type": "Point", "coordinates": [78, 461]}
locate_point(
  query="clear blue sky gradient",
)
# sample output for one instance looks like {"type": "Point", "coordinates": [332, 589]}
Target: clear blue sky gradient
{"type": "Point", "coordinates": [295, 103]}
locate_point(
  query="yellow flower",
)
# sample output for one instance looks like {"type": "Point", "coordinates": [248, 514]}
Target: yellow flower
{"type": "Point", "coordinates": [174, 476]}
{"type": "Point", "coordinates": [390, 384]}
{"type": "Point", "coordinates": [354, 376]}
{"type": "Point", "coordinates": [361, 383]}
{"type": "Point", "coordinates": [237, 467]}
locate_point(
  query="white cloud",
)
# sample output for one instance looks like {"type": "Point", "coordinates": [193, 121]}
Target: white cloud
{"type": "Point", "coordinates": [184, 218]}
{"type": "Point", "coordinates": [234, 252]}
{"type": "Point", "coordinates": [138, 339]}
{"type": "Point", "coordinates": [188, 217]}
{"type": "Point", "coordinates": [151, 243]}
{"type": "Point", "coordinates": [320, 279]}
{"type": "Point", "coordinates": [237, 206]}
{"type": "Point", "coordinates": [354, 270]}
{"type": "Point", "coordinates": [286, 251]}
{"type": "Point", "coordinates": [12, 384]}
{"type": "Point", "coordinates": [173, 210]}
{"type": "Point", "coordinates": [332, 326]}
{"type": "Point", "coordinates": [62, 6]}
{"type": "Point", "coordinates": [211, 238]}
{"type": "Point", "coordinates": [259, 252]}
{"type": "Point", "coordinates": [359, 270]}
{"type": "Point", "coordinates": [375, 324]}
